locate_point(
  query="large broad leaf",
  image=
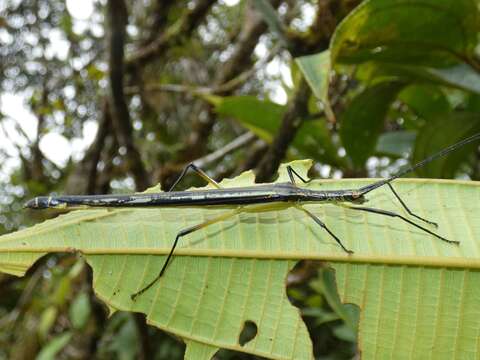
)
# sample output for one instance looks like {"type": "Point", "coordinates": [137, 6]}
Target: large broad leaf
{"type": "Point", "coordinates": [427, 101]}
{"type": "Point", "coordinates": [418, 40]}
{"type": "Point", "coordinates": [418, 296]}
{"type": "Point", "coordinates": [439, 133]}
{"type": "Point", "coordinates": [408, 40]}
{"type": "Point", "coordinates": [362, 122]}
{"type": "Point", "coordinates": [434, 33]}
{"type": "Point", "coordinates": [399, 41]}
{"type": "Point", "coordinates": [461, 76]}
{"type": "Point", "coordinates": [262, 117]}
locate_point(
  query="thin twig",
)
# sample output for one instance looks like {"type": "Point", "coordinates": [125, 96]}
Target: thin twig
{"type": "Point", "coordinates": [226, 87]}
{"type": "Point", "coordinates": [173, 88]}
{"type": "Point", "coordinates": [239, 80]}
{"type": "Point", "coordinates": [239, 142]}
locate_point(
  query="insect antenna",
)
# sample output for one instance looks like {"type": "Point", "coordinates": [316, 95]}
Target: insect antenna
{"type": "Point", "coordinates": [366, 189]}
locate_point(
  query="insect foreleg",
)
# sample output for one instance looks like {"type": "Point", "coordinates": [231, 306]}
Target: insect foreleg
{"type": "Point", "coordinates": [198, 171]}
{"type": "Point", "coordinates": [322, 224]}
{"type": "Point", "coordinates": [407, 209]}
{"type": "Point", "coordinates": [393, 214]}
{"type": "Point", "coordinates": [182, 233]}
{"type": "Point", "coordinates": [292, 172]}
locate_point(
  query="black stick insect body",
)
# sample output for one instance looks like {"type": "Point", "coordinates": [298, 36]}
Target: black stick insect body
{"type": "Point", "coordinates": [238, 198]}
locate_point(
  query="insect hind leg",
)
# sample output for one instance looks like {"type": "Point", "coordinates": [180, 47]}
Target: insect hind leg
{"type": "Point", "coordinates": [180, 234]}
{"type": "Point", "coordinates": [403, 218]}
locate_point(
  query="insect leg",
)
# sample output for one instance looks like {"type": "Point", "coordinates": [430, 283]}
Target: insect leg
{"type": "Point", "coordinates": [322, 224]}
{"type": "Point", "coordinates": [392, 214]}
{"type": "Point", "coordinates": [199, 171]}
{"type": "Point", "coordinates": [407, 209]}
{"type": "Point", "coordinates": [182, 233]}
{"type": "Point", "coordinates": [292, 172]}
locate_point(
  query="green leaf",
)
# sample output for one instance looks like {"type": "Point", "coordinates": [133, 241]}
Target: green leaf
{"type": "Point", "coordinates": [314, 140]}
{"type": "Point", "coordinates": [234, 271]}
{"type": "Point", "coordinates": [345, 333]}
{"type": "Point", "coordinates": [262, 117]}
{"type": "Point", "coordinates": [428, 33]}
{"type": "Point", "coordinates": [362, 121]}
{"type": "Point", "coordinates": [329, 290]}
{"type": "Point", "coordinates": [461, 76]}
{"type": "Point", "coordinates": [47, 320]}
{"type": "Point", "coordinates": [198, 351]}
{"type": "Point", "coordinates": [80, 310]}
{"type": "Point", "coordinates": [473, 103]}
{"type": "Point", "coordinates": [54, 346]}
{"type": "Point", "coordinates": [274, 23]}
{"type": "Point", "coordinates": [415, 40]}
{"type": "Point", "coordinates": [316, 69]}
{"type": "Point", "coordinates": [438, 134]}
{"type": "Point", "coordinates": [122, 341]}
{"type": "Point", "coordinates": [395, 143]}
{"type": "Point", "coordinates": [426, 101]}
{"type": "Point", "coordinates": [426, 311]}
{"type": "Point", "coordinates": [402, 40]}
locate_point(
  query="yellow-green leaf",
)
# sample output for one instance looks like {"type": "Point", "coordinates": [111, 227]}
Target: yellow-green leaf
{"type": "Point", "coordinates": [416, 294]}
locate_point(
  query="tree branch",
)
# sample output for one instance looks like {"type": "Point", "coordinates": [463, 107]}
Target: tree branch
{"type": "Point", "coordinates": [182, 28]}
{"type": "Point", "coordinates": [220, 89]}
{"type": "Point", "coordinates": [316, 39]}
{"type": "Point", "coordinates": [239, 142]}
{"type": "Point", "coordinates": [84, 176]}
{"type": "Point", "coordinates": [161, 10]}
{"type": "Point", "coordinates": [252, 29]}
{"type": "Point", "coordinates": [117, 19]}
{"type": "Point", "coordinates": [291, 122]}
{"type": "Point", "coordinates": [36, 166]}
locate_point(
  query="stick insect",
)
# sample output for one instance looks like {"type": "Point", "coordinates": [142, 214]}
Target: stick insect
{"type": "Point", "coordinates": [238, 198]}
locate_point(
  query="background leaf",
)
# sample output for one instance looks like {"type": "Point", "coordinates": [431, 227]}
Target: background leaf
{"type": "Point", "coordinates": [426, 101]}
{"type": "Point", "coordinates": [264, 117]}
{"type": "Point", "coordinates": [440, 34]}
{"type": "Point", "coordinates": [363, 120]}
{"type": "Point", "coordinates": [440, 133]}
{"type": "Point", "coordinates": [54, 346]}
{"type": "Point", "coordinates": [316, 69]}
{"type": "Point", "coordinates": [395, 143]}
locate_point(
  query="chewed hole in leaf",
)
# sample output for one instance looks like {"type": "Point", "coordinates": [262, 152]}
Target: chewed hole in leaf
{"type": "Point", "coordinates": [248, 333]}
